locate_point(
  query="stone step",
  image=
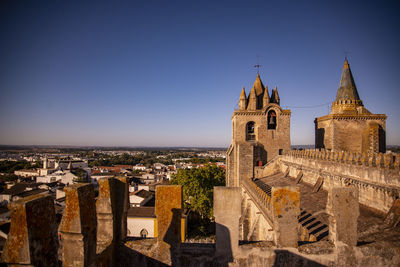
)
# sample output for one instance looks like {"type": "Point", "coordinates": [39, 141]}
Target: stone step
{"type": "Point", "coordinates": [312, 228]}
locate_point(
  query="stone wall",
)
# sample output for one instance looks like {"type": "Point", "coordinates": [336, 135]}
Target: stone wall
{"type": "Point", "coordinates": [353, 133]}
{"type": "Point", "coordinates": [33, 240]}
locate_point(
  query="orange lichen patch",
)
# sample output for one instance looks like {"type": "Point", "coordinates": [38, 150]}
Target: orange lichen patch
{"type": "Point", "coordinates": [168, 209]}
{"type": "Point", "coordinates": [71, 210]}
{"type": "Point", "coordinates": [16, 248]}
{"type": "Point", "coordinates": [285, 199]}
{"type": "Point", "coordinates": [104, 188]}
{"type": "Point", "coordinates": [18, 236]}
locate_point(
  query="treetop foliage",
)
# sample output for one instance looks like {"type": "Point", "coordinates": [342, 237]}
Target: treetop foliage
{"type": "Point", "coordinates": [198, 187]}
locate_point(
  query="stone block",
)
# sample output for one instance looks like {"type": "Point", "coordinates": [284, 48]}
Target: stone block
{"type": "Point", "coordinates": [299, 176]}
{"type": "Point", "coordinates": [318, 184]}
{"type": "Point", "coordinates": [343, 208]}
{"type": "Point", "coordinates": [392, 218]}
{"type": "Point", "coordinates": [285, 203]}
{"type": "Point", "coordinates": [124, 202]}
{"type": "Point", "coordinates": [111, 208]}
{"type": "Point", "coordinates": [78, 226]}
{"type": "Point", "coordinates": [32, 239]}
{"type": "Point", "coordinates": [168, 211]}
{"type": "Point", "coordinates": [227, 211]}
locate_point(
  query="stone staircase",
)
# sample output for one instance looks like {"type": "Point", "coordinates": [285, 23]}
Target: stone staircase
{"type": "Point", "coordinates": [313, 228]}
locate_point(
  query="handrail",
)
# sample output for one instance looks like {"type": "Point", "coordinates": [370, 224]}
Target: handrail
{"type": "Point", "coordinates": [261, 199]}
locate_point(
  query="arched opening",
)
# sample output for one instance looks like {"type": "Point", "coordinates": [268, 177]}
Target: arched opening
{"type": "Point", "coordinates": [144, 233]}
{"type": "Point", "coordinates": [250, 132]}
{"type": "Point", "coordinates": [271, 120]}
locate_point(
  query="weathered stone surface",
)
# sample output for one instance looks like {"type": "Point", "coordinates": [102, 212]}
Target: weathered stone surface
{"type": "Point", "coordinates": [299, 176]}
{"type": "Point", "coordinates": [78, 226]}
{"type": "Point", "coordinates": [32, 239]}
{"type": "Point", "coordinates": [227, 211]}
{"type": "Point", "coordinates": [168, 211]}
{"type": "Point", "coordinates": [285, 202]}
{"type": "Point", "coordinates": [124, 200]}
{"type": "Point", "coordinates": [343, 208]}
{"type": "Point", "coordinates": [392, 218]}
{"type": "Point", "coordinates": [111, 208]}
{"type": "Point", "coordinates": [318, 184]}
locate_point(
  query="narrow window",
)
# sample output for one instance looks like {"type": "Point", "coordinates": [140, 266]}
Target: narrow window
{"type": "Point", "coordinates": [250, 135]}
{"type": "Point", "coordinates": [271, 120]}
{"type": "Point", "coordinates": [143, 233]}
{"type": "Point", "coordinates": [280, 151]}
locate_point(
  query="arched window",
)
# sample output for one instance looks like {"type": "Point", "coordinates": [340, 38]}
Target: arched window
{"type": "Point", "coordinates": [144, 233]}
{"type": "Point", "coordinates": [250, 135]}
{"type": "Point", "coordinates": [271, 120]}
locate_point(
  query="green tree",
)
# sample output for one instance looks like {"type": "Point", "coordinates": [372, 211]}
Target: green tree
{"type": "Point", "coordinates": [198, 187]}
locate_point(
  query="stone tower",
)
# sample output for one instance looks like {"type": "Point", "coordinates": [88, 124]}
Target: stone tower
{"type": "Point", "coordinates": [260, 132]}
{"type": "Point", "coordinates": [350, 126]}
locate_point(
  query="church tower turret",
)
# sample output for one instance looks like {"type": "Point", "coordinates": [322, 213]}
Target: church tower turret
{"type": "Point", "coordinates": [275, 96]}
{"type": "Point", "coordinates": [350, 126]}
{"type": "Point", "coordinates": [266, 98]}
{"type": "Point", "coordinates": [242, 100]}
{"type": "Point", "coordinates": [252, 100]}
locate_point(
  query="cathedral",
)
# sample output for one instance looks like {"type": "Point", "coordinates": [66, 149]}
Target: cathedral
{"type": "Point", "coordinates": [261, 128]}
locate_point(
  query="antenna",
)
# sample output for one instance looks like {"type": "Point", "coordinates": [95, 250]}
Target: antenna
{"type": "Point", "coordinates": [258, 65]}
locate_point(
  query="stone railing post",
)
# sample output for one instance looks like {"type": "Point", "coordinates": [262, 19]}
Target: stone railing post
{"type": "Point", "coordinates": [32, 240]}
{"type": "Point", "coordinates": [111, 208]}
{"type": "Point", "coordinates": [227, 214]}
{"type": "Point", "coordinates": [78, 226]}
{"type": "Point", "coordinates": [343, 208]}
{"type": "Point", "coordinates": [169, 205]}
{"type": "Point", "coordinates": [285, 203]}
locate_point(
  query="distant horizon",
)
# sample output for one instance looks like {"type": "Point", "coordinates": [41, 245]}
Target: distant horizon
{"type": "Point", "coordinates": [143, 147]}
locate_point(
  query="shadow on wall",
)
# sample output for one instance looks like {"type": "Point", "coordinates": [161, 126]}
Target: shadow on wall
{"type": "Point", "coordinates": [287, 258]}
{"type": "Point", "coordinates": [224, 245]}
{"type": "Point", "coordinates": [319, 137]}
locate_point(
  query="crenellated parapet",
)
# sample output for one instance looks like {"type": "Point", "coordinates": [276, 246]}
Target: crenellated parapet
{"type": "Point", "coordinates": [375, 175]}
{"type": "Point", "coordinates": [387, 161]}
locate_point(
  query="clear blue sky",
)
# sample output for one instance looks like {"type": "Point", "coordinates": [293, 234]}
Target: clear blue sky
{"type": "Point", "coordinates": [168, 73]}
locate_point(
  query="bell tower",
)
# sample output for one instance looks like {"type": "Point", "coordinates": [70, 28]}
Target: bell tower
{"type": "Point", "coordinates": [260, 132]}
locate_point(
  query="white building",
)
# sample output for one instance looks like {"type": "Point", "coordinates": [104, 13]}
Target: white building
{"type": "Point", "coordinates": [65, 177]}
{"type": "Point", "coordinates": [140, 198]}
{"type": "Point", "coordinates": [142, 222]}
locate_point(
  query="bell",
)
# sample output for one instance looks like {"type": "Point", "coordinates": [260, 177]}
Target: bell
{"type": "Point", "coordinates": [271, 120]}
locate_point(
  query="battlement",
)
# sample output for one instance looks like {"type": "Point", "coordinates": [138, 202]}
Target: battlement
{"type": "Point", "coordinates": [390, 162]}
{"type": "Point", "coordinates": [377, 176]}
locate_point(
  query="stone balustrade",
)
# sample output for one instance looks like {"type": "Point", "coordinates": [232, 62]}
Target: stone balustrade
{"type": "Point", "coordinates": [376, 176]}
{"type": "Point", "coordinates": [280, 206]}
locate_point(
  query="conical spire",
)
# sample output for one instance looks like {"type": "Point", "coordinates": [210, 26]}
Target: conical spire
{"type": "Point", "coordinates": [258, 85]}
{"type": "Point", "coordinates": [275, 96]}
{"type": "Point", "coordinates": [347, 88]}
{"type": "Point", "coordinates": [266, 98]}
{"type": "Point", "coordinates": [252, 100]}
{"type": "Point", "coordinates": [242, 100]}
